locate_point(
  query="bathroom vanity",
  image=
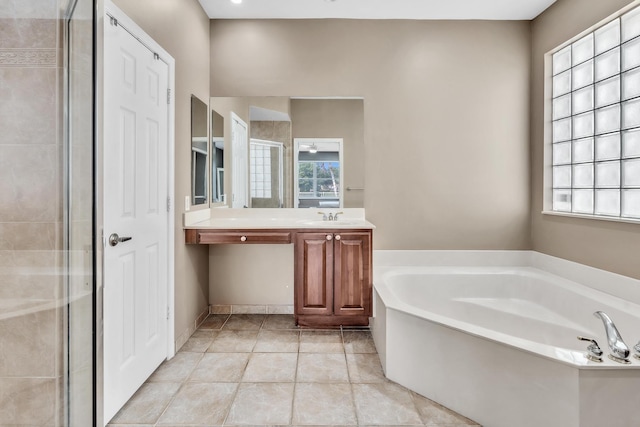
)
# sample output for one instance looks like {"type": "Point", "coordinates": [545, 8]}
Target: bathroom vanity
{"type": "Point", "coordinates": [332, 259]}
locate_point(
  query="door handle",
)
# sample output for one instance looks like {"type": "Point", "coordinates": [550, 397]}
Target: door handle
{"type": "Point", "coordinates": [114, 239]}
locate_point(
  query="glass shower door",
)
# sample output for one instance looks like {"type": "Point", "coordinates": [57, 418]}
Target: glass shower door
{"type": "Point", "coordinates": [78, 350]}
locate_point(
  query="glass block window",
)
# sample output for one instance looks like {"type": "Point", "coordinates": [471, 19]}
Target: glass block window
{"type": "Point", "coordinates": [260, 159]}
{"type": "Point", "coordinates": [596, 121]}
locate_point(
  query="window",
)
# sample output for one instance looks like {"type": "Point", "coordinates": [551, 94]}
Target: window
{"type": "Point", "coordinates": [319, 179]}
{"type": "Point", "coordinates": [319, 171]}
{"type": "Point", "coordinates": [260, 158]}
{"type": "Point", "coordinates": [595, 131]}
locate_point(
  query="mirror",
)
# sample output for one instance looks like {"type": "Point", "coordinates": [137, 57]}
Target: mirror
{"type": "Point", "coordinates": [274, 145]}
{"type": "Point", "coordinates": [199, 152]}
{"type": "Point", "coordinates": [217, 158]}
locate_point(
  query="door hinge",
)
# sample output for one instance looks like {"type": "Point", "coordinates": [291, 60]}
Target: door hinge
{"type": "Point", "coordinates": [168, 96]}
{"type": "Point", "coordinates": [168, 313]}
{"type": "Point", "coordinates": [168, 204]}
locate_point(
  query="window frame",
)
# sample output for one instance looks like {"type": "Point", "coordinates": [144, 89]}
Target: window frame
{"type": "Point", "coordinates": [548, 186]}
{"type": "Point", "coordinates": [319, 142]}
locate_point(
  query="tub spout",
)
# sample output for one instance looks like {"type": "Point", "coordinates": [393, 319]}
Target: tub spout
{"type": "Point", "coordinates": [619, 350]}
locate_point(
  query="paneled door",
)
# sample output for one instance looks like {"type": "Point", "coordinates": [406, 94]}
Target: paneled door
{"type": "Point", "coordinates": [240, 168]}
{"type": "Point", "coordinates": [314, 273]}
{"type": "Point", "coordinates": [136, 169]}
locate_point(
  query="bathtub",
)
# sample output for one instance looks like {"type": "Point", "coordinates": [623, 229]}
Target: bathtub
{"type": "Point", "coordinates": [492, 335]}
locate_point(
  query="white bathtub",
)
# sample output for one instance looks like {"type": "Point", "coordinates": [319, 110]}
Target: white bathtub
{"type": "Point", "coordinates": [492, 335]}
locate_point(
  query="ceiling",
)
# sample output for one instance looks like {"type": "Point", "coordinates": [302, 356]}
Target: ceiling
{"type": "Point", "coordinates": [376, 9]}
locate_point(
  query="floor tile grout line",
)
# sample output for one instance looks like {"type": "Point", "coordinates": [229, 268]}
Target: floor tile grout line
{"type": "Point", "coordinates": [295, 379]}
{"type": "Point", "coordinates": [353, 393]}
{"type": "Point", "coordinates": [182, 385]}
{"type": "Point", "coordinates": [343, 334]}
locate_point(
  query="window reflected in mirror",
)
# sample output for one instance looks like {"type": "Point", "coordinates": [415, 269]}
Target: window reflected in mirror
{"type": "Point", "coordinates": [319, 174]}
{"type": "Point", "coordinates": [266, 159]}
{"type": "Point", "coordinates": [199, 152]}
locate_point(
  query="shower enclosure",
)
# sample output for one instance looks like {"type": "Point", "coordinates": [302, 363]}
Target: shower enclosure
{"type": "Point", "coordinates": [47, 236]}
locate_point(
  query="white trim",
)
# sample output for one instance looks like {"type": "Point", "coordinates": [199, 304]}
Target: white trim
{"type": "Point", "coordinates": [586, 216]}
{"type": "Point", "coordinates": [237, 118]}
{"type": "Point", "coordinates": [296, 149]}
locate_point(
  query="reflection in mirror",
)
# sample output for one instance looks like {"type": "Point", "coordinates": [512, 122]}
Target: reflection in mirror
{"type": "Point", "coordinates": [199, 151]}
{"type": "Point", "coordinates": [217, 158]}
{"type": "Point", "coordinates": [274, 123]}
{"type": "Point", "coordinates": [318, 171]}
{"type": "Point", "coordinates": [266, 172]}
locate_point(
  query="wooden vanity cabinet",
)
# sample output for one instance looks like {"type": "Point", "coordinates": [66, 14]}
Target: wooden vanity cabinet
{"type": "Point", "coordinates": [226, 237]}
{"type": "Point", "coordinates": [333, 278]}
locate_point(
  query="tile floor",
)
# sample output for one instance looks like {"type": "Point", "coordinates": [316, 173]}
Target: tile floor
{"type": "Point", "coordinates": [261, 370]}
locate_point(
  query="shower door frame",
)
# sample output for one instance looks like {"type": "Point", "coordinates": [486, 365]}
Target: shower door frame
{"type": "Point", "coordinates": [67, 17]}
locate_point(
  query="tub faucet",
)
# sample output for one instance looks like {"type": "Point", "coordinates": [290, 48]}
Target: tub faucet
{"type": "Point", "coordinates": [619, 350]}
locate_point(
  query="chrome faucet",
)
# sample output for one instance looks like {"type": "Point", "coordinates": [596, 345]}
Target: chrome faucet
{"type": "Point", "coordinates": [593, 350]}
{"type": "Point", "coordinates": [330, 216]}
{"type": "Point", "coordinates": [335, 217]}
{"type": "Point", "coordinates": [619, 350]}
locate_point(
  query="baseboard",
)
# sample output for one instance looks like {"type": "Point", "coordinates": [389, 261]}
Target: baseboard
{"type": "Point", "coordinates": [186, 334]}
{"type": "Point", "coordinates": [250, 309]}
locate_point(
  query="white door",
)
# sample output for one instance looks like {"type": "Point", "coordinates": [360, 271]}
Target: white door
{"type": "Point", "coordinates": [135, 208]}
{"type": "Point", "coordinates": [240, 154]}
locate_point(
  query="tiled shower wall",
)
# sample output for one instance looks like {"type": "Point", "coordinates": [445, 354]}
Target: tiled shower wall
{"type": "Point", "coordinates": [30, 213]}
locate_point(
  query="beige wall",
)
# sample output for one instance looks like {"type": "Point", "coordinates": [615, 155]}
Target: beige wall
{"type": "Point", "coordinates": [446, 116]}
{"type": "Point", "coordinates": [182, 28]}
{"type": "Point", "coordinates": [608, 245]}
{"type": "Point", "coordinates": [333, 118]}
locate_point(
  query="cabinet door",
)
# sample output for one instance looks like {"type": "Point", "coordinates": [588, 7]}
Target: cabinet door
{"type": "Point", "coordinates": [314, 273]}
{"type": "Point", "coordinates": [352, 274]}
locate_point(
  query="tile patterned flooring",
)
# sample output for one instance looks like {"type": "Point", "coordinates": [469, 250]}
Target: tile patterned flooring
{"type": "Point", "coordinates": [261, 370]}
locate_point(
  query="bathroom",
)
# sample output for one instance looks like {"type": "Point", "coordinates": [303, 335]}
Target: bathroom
{"type": "Point", "coordinates": [453, 160]}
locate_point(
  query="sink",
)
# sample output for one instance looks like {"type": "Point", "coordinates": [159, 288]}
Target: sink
{"type": "Point", "coordinates": [329, 224]}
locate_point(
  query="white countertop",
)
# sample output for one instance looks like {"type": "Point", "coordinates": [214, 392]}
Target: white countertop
{"type": "Point", "coordinates": [237, 219]}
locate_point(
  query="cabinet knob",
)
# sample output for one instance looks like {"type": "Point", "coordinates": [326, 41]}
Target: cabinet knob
{"type": "Point", "coordinates": [338, 237]}
{"type": "Point", "coordinates": [243, 238]}
{"type": "Point", "coordinates": [329, 237]}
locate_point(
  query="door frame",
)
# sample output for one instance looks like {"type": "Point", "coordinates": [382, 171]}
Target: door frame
{"type": "Point", "coordinates": [104, 7]}
{"type": "Point", "coordinates": [236, 117]}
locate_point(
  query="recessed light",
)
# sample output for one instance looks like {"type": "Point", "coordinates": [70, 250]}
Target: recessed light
{"type": "Point", "coordinates": [236, 1]}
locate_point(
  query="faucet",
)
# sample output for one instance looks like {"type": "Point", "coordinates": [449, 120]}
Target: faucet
{"type": "Point", "coordinates": [330, 216]}
{"type": "Point", "coordinates": [593, 350]}
{"type": "Point", "coordinates": [636, 348]}
{"type": "Point", "coordinates": [619, 350]}
{"type": "Point", "coordinates": [324, 215]}
{"type": "Point", "coordinates": [335, 217]}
